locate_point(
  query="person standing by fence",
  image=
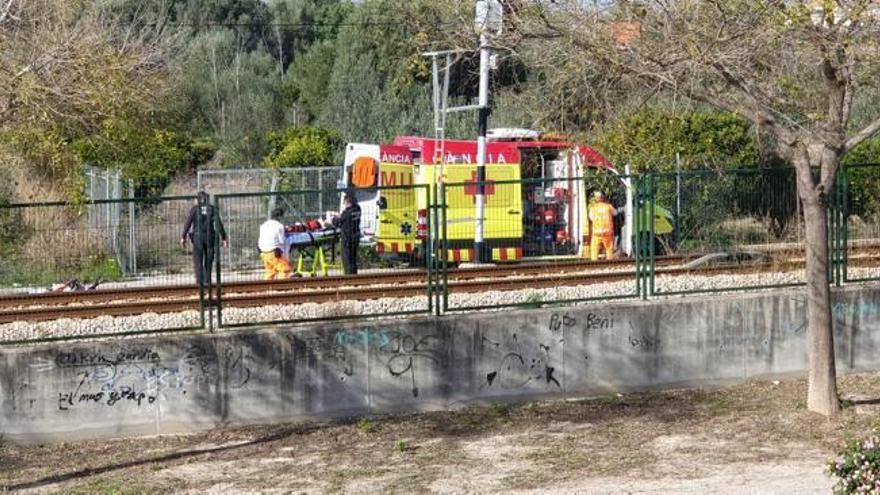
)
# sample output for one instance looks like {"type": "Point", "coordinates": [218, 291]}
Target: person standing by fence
{"type": "Point", "coordinates": [349, 225]}
{"type": "Point", "coordinates": [273, 247]}
{"type": "Point", "coordinates": [601, 215]}
{"type": "Point", "coordinates": [200, 230]}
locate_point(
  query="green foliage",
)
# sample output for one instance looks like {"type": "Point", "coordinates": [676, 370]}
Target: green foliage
{"type": "Point", "coordinates": [309, 78]}
{"type": "Point", "coordinates": [863, 182]}
{"type": "Point", "coordinates": [857, 467]}
{"type": "Point", "coordinates": [364, 425]}
{"type": "Point", "coordinates": [649, 141]}
{"type": "Point", "coordinates": [149, 156]}
{"type": "Point", "coordinates": [305, 146]}
{"type": "Point", "coordinates": [228, 93]}
{"type": "Point", "coordinates": [401, 446]}
{"type": "Point", "coordinates": [101, 269]}
{"type": "Point", "coordinates": [13, 229]}
{"type": "Point", "coordinates": [379, 85]}
{"type": "Point", "coordinates": [18, 270]}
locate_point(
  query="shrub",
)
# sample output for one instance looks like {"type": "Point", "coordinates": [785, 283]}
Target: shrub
{"type": "Point", "coordinates": [650, 139]}
{"type": "Point", "coordinates": [857, 467]}
{"type": "Point", "coordinates": [304, 146]}
{"type": "Point", "coordinates": [151, 157]}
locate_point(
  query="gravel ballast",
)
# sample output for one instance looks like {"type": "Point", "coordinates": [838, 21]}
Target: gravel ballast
{"type": "Point", "coordinates": [388, 306]}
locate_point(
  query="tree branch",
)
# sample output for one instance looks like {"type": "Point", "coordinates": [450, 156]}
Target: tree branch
{"type": "Point", "coordinates": [4, 12]}
{"type": "Point", "coordinates": [862, 135]}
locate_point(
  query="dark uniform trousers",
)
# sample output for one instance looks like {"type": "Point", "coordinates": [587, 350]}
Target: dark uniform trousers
{"type": "Point", "coordinates": [203, 260]}
{"type": "Point", "coordinates": [349, 224]}
{"type": "Point", "coordinates": [349, 256]}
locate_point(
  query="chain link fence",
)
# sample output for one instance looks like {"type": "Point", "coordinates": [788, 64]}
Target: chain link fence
{"type": "Point", "coordinates": [264, 180]}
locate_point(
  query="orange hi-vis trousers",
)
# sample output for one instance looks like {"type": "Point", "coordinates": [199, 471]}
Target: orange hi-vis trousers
{"type": "Point", "coordinates": [606, 241]}
{"type": "Point", "coordinates": [275, 266]}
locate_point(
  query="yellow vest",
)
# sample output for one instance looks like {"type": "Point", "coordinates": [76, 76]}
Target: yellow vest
{"type": "Point", "coordinates": [602, 216]}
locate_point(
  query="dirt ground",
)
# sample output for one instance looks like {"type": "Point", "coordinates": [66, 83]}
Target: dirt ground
{"type": "Point", "coordinates": [753, 438]}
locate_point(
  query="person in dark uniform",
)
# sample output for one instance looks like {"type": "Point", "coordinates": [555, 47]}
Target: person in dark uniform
{"type": "Point", "coordinates": [349, 225]}
{"type": "Point", "coordinates": [199, 229]}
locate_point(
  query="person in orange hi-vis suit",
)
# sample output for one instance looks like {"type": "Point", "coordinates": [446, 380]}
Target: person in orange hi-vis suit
{"type": "Point", "coordinates": [601, 215]}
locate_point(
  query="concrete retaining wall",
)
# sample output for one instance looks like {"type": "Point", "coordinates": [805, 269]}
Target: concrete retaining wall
{"type": "Point", "coordinates": [188, 382]}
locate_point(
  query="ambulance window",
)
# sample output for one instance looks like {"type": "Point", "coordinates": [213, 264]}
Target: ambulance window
{"type": "Point", "coordinates": [417, 156]}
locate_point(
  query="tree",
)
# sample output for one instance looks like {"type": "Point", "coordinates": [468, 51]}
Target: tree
{"type": "Point", "coordinates": [66, 69]}
{"type": "Point", "coordinates": [60, 61]}
{"type": "Point", "coordinates": [230, 93]}
{"type": "Point", "coordinates": [794, 68]}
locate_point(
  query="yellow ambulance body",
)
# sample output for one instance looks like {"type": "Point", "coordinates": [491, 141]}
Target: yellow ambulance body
{"type": "Point", "coordinates": [503, 213]}
{"type": "Point", "coordinates": [397, 209]}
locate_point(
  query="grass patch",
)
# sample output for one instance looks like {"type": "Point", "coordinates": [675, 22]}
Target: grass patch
{"type": "Point", "coordinates": [500, 410]}
{"type": "Point", "coordinates": [364, 425]}
{"type": "Point", "coordinates": [108, 486]}
{"type": "Point", "coordinates": [401, 446]}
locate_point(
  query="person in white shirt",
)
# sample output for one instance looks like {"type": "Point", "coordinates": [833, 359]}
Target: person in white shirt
{"type": "Point", "coordinates": [273, 247]}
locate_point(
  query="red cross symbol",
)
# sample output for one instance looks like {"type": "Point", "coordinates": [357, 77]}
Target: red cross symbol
{"type": "Point", "coordinates": [471, 187]}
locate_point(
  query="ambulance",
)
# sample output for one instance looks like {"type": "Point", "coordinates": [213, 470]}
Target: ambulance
{"type": "Point", "coordinates": [535, 197]}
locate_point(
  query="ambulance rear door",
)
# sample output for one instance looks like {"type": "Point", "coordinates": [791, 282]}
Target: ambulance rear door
{"type": "Point", "coordinates": [397, 209]}
{"type": "Point", "coordinates": [366, 195]}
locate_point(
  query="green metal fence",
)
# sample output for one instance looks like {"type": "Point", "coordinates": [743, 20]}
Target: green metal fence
{"type": "Point", "coordinates": [541, 224]}
{"type": "Point", "coordinates": [394, 274]}
{"type": "Point", "coordinates": [688, 232]}
{"type": "Point", "coordinates": [855, 223]}
{"type": "Point", "coordinates": [742, 223]}
{"type": "Point", "coordinates": [54, 250]}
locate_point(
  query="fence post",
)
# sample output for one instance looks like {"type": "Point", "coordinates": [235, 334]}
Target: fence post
{"type": "Point", "coordinates": [444, 246]}
{"type": "Point", "coordinates": [132, 230]}
{"type": "Point", "coordinates": [434, 198]}
{"type": "Point", "coordinates": [218, 300]}
{"type": "Point", "coordinates": [637, 236]}
{"type": "Point", "coordinates": [643, 236]}
{"type": "Point", "coordinates": [845, 225]}
{"type": "Point", "coordinates": [428, 244]}
{"type": "Point", "coordinates": [652, 235]}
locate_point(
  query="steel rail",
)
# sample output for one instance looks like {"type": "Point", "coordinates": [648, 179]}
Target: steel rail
{"type": "Point", "coordinates": [368, 287]}
{"type": "Point", "coordinates": [359, 293]}
{"type": "Point", "coordinates": [368, 279]}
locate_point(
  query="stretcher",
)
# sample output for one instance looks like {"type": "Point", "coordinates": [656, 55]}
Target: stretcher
{"type": "Point", "coordinates": [309, 245]}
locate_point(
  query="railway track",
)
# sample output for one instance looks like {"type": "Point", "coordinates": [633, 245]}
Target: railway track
{"type": "Point", "coordinates": [310, 283]}
{"type": "Point", "coordinates": [168, 299]}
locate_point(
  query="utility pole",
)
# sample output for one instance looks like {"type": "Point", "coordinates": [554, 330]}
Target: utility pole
{"type": "Point", "coordinates": [488, 21]}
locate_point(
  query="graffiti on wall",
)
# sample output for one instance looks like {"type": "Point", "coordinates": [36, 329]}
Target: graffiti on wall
{"type": "Point", "coordinates": [401, 354]}
{"type": "Point", "coordinates": [135, 376]}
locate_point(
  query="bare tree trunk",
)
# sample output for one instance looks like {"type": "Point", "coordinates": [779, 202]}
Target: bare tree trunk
{"type": "Point", "coordinates": [822, 383]}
